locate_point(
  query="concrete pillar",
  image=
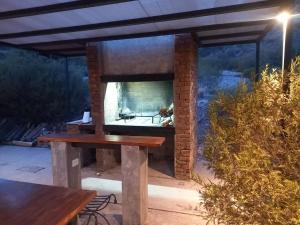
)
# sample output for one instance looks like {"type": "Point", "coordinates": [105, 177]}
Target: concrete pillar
{"type": "Point", "coordinates": [65, 165]}
{"type": "Point", "coordinates": [134, 185]}
{"type": "Point", "coordinates": [185, 86]}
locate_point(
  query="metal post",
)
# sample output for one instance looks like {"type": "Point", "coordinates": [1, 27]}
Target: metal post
{"type": "Point", "coordinates": [257, 61]}
{"type": "Point", "coordinates": [67, 73]}
{"type": "Point", "coordinates": [287, 51]}
{"type": "Point", "coordinates": [287, 56]}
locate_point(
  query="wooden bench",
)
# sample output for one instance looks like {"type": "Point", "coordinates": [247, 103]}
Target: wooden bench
{"type": "Point", "coordinates": [134, 156]}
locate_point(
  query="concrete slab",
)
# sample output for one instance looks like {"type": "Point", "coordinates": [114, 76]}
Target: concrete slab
{"type": "Point", "coordinates": [13, 158]}
{"type": "Point", "coordinates": [171, 201]}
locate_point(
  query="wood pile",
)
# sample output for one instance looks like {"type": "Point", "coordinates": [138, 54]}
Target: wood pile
{"type": "Point", "coordinates": [25, 134]}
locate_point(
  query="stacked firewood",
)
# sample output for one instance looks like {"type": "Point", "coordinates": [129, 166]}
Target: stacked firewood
{"type": "Point", "coordinates": [168, 116]}
{"type": "Point", "coordinates": [25, 134]}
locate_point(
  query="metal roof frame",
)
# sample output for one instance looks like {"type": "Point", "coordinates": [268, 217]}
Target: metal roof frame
{"type": "Point", "coordinates": [90, 4]}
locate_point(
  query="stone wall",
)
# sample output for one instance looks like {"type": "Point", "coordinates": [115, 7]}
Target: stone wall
{"type": "Point", "coordinates": [185, 105]}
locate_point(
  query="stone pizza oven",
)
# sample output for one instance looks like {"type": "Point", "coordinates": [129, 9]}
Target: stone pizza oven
{"type": "Point", "coordinates": [163, 58]}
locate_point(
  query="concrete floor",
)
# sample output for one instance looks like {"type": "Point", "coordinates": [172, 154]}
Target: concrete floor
{"type": "Point", "coordinates": [171, 201]}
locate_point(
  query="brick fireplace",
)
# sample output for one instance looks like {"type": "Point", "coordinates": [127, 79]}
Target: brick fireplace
{"type": "Point", "coordinates": [153, 58]}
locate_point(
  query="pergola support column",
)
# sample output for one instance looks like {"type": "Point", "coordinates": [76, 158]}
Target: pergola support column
{"type": "Point", "coordinates": [287, 57]}
{"type": "Point", "coordinates": [185, 86]}
{"type": "Point", "coordinates": [67, 73]}
{"type": "Point", "coordinates": [257, 65]}
{"type": "Point", "coordinates": [287, 50]}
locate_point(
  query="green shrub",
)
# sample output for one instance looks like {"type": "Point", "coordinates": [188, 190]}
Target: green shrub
{"type": "Point", "coordinates": [253, 147]}
{"type": "Point", "coordinates": [34, 88]}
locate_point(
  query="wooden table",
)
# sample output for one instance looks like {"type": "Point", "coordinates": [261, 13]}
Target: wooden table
{"type": "Point", "coordinates": [134, 156]}
{"type": "Point", "coordinates": [33, 204]}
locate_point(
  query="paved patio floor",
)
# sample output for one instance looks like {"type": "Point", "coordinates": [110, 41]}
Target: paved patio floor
{"type": "Point", "coordinates": [171, 201]}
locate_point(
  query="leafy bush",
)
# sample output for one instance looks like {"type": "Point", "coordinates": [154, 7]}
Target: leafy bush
{"type": "Point", "coordinates": [34, 89]}
{"type": "Point", "coordinates": [253, 147]}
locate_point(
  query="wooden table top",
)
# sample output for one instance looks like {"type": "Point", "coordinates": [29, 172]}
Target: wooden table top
{"type": "Point", "coordinates": [33, 204]}
{"type": "Point", "coordinates": [143, 141]}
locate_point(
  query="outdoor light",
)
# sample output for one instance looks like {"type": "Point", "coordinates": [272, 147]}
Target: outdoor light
{"type": "Point", "coordinates": [283, 17]}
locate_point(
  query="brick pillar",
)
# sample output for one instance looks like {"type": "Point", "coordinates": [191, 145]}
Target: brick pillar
{"type": "Point", "coordinates": [106, 158]}
{"type": "Point", "coordinates": [96, 87]}
{"type": "Point", "coordinates": [185, 105]}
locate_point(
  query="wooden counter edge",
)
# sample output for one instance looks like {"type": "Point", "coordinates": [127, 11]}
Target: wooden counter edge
{"type": "Point", "coordinates": [77, 210]}
{"type": "Point", "coordinates": [143, 141]}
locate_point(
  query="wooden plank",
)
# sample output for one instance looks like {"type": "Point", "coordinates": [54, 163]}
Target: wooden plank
{"type": "Point", "coordinates": [35, 204]}
{"type": "Point", "coordinates": [143, 141]}
{"type": "Point", "coordinates": [29, 130]}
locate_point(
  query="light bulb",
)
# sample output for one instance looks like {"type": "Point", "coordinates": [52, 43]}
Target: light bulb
{"type": "Point", "coordinates": [283, 17]}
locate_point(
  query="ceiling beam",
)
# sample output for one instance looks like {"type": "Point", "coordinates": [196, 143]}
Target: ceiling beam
{"type": "Point", "coordinates": [63, 49]}
{"type": "Point", "coordinates": [223, 26]}
{"type": "Point", "coordinates": [211, 37]}
{"type": "Point", "coordinates": [58, 7]}
{"type": "Point", "coordinates": [41, 52]}
{"type": "Point", "coordinates": [231, 35]}
{"type": "Point", "coordinates": [78, 51]}
{"type": "Point", "coordinates": [149, 34]}
{"type": "Point", "coordinates": [150, 19]}
{"type": "Point", "coordinates": [268, 28]}
{"type": "Point", "coordinates": [73, 55]}
{"type": "Point", "coordinates": [228, 43]}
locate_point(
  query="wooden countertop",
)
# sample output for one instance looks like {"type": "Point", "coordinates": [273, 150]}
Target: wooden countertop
{"type": "Point", "coordinates": [143, 141]}
{"type": "Point", "coordinates": [35, 204]}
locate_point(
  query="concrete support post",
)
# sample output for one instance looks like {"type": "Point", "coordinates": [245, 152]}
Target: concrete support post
{"type": "Point", "coordinates": [65, 165]}
{"type": "Point", "coordinates": [134, 185]}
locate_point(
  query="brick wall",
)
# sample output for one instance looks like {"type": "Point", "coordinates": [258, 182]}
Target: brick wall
{"type": "Point", "coordinates": [106, 158]}
{"type": "Point", "coordinates": [96, 87]}
{"type": "Point", "coordinates": [185, 105]}
{"type": "Point", "coordinates": [184, 89]}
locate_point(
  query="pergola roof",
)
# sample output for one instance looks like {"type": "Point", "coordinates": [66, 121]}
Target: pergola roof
{"type": "Point", "coordinates": [65, 26]}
